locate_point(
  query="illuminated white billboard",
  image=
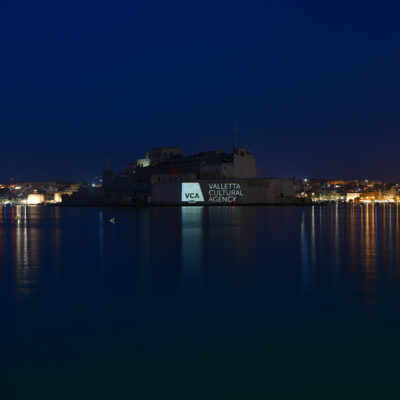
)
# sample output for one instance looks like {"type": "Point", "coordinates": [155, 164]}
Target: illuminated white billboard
{"type": "Point", "coordinates": [191, 193]}
{"type": "Point", "coordinates": [226, 192]}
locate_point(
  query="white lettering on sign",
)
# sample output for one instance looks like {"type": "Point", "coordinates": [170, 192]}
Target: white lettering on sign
{"type": "Point", "coordinates": [224, 192]}
{"type": "Point", "coordinates": [191, 193]}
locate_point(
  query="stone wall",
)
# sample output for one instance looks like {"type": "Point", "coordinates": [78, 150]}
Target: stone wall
{"type": "Point", "coordinates": [219, 192]}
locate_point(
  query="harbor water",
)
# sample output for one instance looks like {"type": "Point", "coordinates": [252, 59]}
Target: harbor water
{"type": "Point", "coordinates": [200, 302]}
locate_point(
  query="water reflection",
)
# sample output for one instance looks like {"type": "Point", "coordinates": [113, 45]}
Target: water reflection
{"type": "Point", "coordinates": [313, 250]}
{"type": "Point", "coordinates": [335, 250]}
{"type": "Point", "coordinates": [391, 234]}
{"type": "Point", "coordinates": [192, 250]}
{"type": "Point", "coordinates": [101, 250]}
{"type": "Point", "coordinates": [145, 246]}
{"type": "Point", "coordinates": [2, 256]}
{"type": "Point", "coordinates": [25, 253]}
{"type": "Point", "coordinates": [368, 252]}
{"type": "Point", "coordinates": [365, 248]}
{"type": "Point", "coordinates": [337, 235]}
{"type": "Point", "coordinates": [305, 262]}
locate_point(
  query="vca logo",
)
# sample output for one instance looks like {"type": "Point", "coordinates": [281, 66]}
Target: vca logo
{"type": "Point", "coordinates": [191, 193]}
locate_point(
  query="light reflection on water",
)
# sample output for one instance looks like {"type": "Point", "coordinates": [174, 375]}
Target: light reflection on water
{"type": "Point", "coordinates": [192, 249]}
{"type": "Point", "coordinates": [365, 243]}
{"type": "Point", "coordinates": [177, 282]}
{"type": "Point", "coordinates": [354, 240]}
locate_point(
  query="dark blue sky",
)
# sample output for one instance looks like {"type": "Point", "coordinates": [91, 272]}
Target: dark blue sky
{"type": "Point", "coordinates": [314, 86]}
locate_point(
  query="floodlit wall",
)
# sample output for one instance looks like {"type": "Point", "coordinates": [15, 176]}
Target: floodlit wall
{"type": "Point", "coordinates": [35, 199]}
{"type": "Point", "coordinates": [219, 192]}
{"type": "Point", "coordinates": [352, 196]}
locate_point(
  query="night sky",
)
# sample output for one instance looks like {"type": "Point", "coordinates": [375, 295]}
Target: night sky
{"type": "Point", "coordinates": [314, 86]}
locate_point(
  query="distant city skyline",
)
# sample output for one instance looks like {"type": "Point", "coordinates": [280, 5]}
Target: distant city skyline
{"type": "Point", "coordinates": [313, 87]}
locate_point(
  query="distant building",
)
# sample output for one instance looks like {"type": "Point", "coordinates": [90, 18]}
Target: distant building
{"type": "Point", "coordinates": [34, 199]}
{"type": "Point", "coordinates": [352, 196]}
{"type": "Point", "coordinates": [166, 176]}
{"type": "Point", "coordinates": [210, 164]}
{"type": "Point", "coordinates": [167, 164]}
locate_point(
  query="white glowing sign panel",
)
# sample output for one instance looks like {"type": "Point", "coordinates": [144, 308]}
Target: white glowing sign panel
{"type": "Point", "coordinates": [191, 193]}
{"type": "Point", "coordinates": [215, 192]}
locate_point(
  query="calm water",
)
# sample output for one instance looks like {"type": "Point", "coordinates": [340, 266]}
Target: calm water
{"type": "Point", "coordinates": [200, 303]}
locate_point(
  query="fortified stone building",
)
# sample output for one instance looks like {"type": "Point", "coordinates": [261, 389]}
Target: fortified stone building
{"type": "Point", "coordinates": [166, 176]}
